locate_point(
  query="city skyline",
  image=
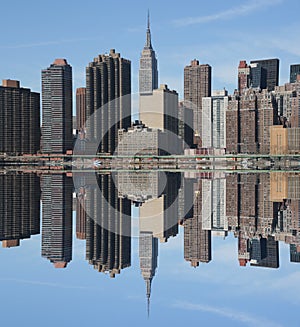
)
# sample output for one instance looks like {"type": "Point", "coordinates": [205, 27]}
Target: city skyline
{"type": "Point", "coordinates": [171, 58]}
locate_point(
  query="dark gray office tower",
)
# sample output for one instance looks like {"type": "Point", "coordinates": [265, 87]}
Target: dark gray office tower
{"type": "Point", "coordinates": [108, 227]}
{"type": "Point", "coordinates": [19, 119]}
{"type": "Point", "coordinates": [108, 100]}
{"type": "Point", "coordinates": [148, 74]}
{"type": "Point", "coordinates": [258, 76]}
{"type": "Point", "coordinates": [294, 71]}
{"type": "Point", "coordinates": [57, 135]}
{"type": "Point", "coordinates": [294, 253]}
{"type": "Point", "coordinates": [57, 219]}
{"type": "Point", "coordinates": [272, 71]}
{"type": "Point", "coordinates": [272, 258]}
{"type": "Point", "coordinates": [19, 208]}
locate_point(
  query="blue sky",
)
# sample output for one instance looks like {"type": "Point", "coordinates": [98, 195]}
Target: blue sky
{"type": "Point", "coordinates": [36, 32]}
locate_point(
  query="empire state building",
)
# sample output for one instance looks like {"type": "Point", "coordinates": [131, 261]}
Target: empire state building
{"type": "Point", "coordinates": [148, 74]}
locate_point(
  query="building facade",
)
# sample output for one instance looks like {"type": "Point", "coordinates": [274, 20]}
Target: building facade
{"type": "Point", "coordinates": [81, 111]}
{"type": "Point", "coordinates": [57, 134]}
{"type": "Point", "coordinates": [271, 66]}
{"type": "Point", "coordinates": [214, 120]}
{"type": "Point", "coordinates": [19, 119]}
{"type": "Point", "coordinates": [197, 85]}
{"type": "Point", "coordinates": [108, 100]}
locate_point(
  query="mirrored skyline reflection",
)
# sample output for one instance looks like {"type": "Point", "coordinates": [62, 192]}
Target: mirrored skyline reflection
{"type": "Point", "coordinates": [212, 221]}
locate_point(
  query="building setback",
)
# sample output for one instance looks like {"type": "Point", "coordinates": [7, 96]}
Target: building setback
{"type": "Point", "coordinates": [57, 135]}
{"type": "Point", "coordinates": [108, 100]}
{"type": "Point", "coordinates": [197, 84]}
{"type": "Point", "coordinates": [19, 119]}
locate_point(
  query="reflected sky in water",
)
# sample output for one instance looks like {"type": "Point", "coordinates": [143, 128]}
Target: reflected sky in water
{"type": "Point", "coordinates": [219, 291]}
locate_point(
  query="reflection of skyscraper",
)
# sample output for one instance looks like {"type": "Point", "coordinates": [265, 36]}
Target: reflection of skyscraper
{"type": "Point", "coordinates": [197, 241]}
{"type": "Point", "coordinates": [57, 219]}
{"type": "Point", "coordinates": [160, 215]}
{"type": "Point", "coordinates": [57, 136]}
{"type": "Point", "coordinates": [294, 253]}
{"type": "Point", "coordinates": [108, 227]}
{"type": "Point", "coordinates": [148, 74]}
{"type": "Point", "coordinates": [19, 208]}
{"type": "Point", "coordinates": [148, 253]}
{"type": "Point", "coordinates": [272, 258]}
{"type": "Point", "coordinates": [214, 206]}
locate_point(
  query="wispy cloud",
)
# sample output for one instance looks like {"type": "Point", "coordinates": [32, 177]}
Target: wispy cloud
{"type": "Point", "coordinates": [45, 43]}
{"type": "Point", "coordinates": [242, 317]}
{"type": "Point", "coordinates": [41, 283]}
{"type": "Point", "coordinates": [241, 10]}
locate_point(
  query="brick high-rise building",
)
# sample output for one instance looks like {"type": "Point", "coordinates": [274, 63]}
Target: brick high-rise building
{"type": "Point", "coordinates": [197, 84]}
{"type": "Point", "coordinates": [19, 119]}
{"type": "Point", "coordinates": [248, 121]}
{"type": "Point", "coordinates": [81, 111]}
{"type": "Point", "coordinates": [108, 99]}
{"type": "Point", "coordinates": [243, 76]}
{"type": "Point", "coordinates": [57, 134]}
{"type": "Point", "coordinates": [272, 71]}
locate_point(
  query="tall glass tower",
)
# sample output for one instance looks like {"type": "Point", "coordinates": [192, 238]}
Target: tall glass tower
{"type": "Point", "coordinates": [148, 74]}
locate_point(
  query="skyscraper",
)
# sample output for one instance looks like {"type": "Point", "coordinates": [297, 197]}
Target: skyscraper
{"type": "Point", "coordinates": [57, 136]}
{"type": "Point", "coordinates": [294, 71]}
{"type": "Point", "coordinates": [197, 84]}
{"type": "Point", "coordinates": [19, 119]}
{"type": "Point", "coordinates": [148, 74]}
{"type": "Point", "coordinates": [243, 76]}
{"type": "Point", "coordinates": [108, 99]}
{"type": "Point", "coordinates": [214, 120]}
{"type": "Point", "coordinates": [272, 70]}
{"type": "Point", "coordinates": [81, 111]}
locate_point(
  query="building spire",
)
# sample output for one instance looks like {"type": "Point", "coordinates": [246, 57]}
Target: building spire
{"type": "Point", "coordinates": [148, 41]}
{"type": "Point", "coordinates": [148, 284]}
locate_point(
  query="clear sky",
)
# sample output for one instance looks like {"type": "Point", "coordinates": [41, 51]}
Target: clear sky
{"type": "Point", "coordinates": [220, 33]}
